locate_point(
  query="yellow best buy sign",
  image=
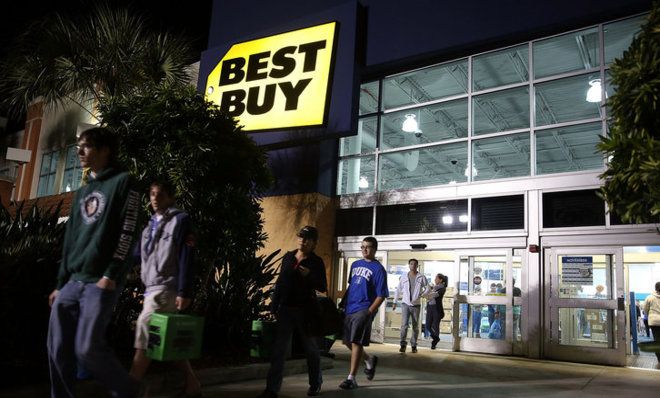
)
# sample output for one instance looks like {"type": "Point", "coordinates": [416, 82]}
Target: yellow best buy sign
{"type": "Point", "coordinates": [277, 81]}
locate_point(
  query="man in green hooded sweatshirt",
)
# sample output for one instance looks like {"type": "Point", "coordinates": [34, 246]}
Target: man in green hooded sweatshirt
{"type": "Point", "coordinates": [96, 255]}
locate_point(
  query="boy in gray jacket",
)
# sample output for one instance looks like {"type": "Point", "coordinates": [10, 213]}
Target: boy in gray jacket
{"type": "Point", "coordinates": [166, 271]}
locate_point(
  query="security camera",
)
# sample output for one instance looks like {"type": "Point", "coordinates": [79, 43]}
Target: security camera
{"type": "Point", "coordinates": [454, 161]}
{"type": "Point", "coordinates": [418, 133]}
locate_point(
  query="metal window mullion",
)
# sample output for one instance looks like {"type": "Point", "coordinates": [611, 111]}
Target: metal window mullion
{"type": "Point", "coordinates": [470, 121]}
{"type": "Point", "coordinates": [532, 111]}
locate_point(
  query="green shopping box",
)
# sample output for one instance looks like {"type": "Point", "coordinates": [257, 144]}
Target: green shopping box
{"type": "Point", "coordinates": [175, 337]}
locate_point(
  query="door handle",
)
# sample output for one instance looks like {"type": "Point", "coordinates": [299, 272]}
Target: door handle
{"type": "Point", "coordinates": [621, 303]}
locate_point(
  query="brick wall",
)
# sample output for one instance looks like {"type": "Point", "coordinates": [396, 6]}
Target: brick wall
{"type": "Point", "coordinates": [46, 202]}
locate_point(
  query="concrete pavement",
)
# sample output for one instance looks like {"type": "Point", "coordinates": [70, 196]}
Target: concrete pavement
{"type": "Point", "coordinates": [440, 373]}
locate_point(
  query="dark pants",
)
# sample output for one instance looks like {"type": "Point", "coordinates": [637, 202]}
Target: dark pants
{"type": "Point", "coordinates": [76, 334]}
{"type": "Point", "coordinates": [289, 319]}
{"type": "Point", "coordinates": [656, 337]}
{"type": "Point", "coordinates": [433, 318]}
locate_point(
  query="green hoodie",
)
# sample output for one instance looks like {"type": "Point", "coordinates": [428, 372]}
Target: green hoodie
{"type": "Point", "coordinates": [101, 229]}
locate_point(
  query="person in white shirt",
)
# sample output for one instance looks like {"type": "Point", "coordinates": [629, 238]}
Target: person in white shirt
{"type": "Point", "coordinates": [411, 286]}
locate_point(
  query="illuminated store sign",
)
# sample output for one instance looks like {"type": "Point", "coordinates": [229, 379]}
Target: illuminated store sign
{"type": "Point", "coordinates": [277, 81]}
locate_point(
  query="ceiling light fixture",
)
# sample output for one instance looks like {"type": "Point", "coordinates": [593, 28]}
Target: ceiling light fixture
{"type": "Point", "coordinates": [363, 182]}
{"type": "Point", "coordinates": [410, 124]}
{"type": "Point", "coordinates": [447, 220]}
{"type": "Point", "coordinates": [594, 92]}
{"type": "Point", "coordinates": [463, 218]}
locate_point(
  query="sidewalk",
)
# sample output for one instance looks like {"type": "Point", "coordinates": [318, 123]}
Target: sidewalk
{"type": "Point", "coordinates": [447, 374]}
{"type": "Point", "coordinates": [425, 374]}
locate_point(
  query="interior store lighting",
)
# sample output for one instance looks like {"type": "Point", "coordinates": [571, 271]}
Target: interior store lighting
{"type": "Point", "coordinates": [594, 92]}
{"type": "Point", "coordinates": [447, 220]}
{"type": "Point", "coordinates": [363, 182]}
{"type": "Point", "coordinates": [463, 218]}
{"type": "Point", "coordinates": [410, 125]}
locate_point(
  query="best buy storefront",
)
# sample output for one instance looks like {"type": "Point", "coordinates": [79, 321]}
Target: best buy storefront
{"type": "Point", "coordinates": [470, 149]}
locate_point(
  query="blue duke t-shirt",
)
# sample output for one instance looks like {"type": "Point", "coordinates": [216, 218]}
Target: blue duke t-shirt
{"type": "Point", "coordinates": [368, 280]}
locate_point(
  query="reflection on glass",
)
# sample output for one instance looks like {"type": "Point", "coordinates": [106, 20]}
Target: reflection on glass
{"type": "Point", "coordinates": [570, 148]}
{"type": "Point", "coordinates": [364, 141]}
{"type": "Point", "coordinates": [425, 85]}
{"type": "Point", "coordinates": [500, 68]}
{"type": "Point", "coordinates": [566, 53]}
{"type": "Point", "coordinates": [501, 157]}
{"type": "Point", "coordinates": [356, 175]}
{"type": "Point", "coordinates": [369, 93]}
{"type": "Point", "coordinates": [501, 111]}
{"type": "Point", "coordinates": [585, 276]}
{"type": "Point", "coordinates": [586, 327]}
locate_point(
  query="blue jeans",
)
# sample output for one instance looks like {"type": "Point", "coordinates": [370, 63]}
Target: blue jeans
{"type": "Point", "coordinates": [407, 312]}
{"type": "Point", "coordinates": [76, 334]}
{"type": "Point", "coordinates": [288, 319]}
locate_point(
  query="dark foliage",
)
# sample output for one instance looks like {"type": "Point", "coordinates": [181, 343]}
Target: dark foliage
{"type": "Point", "coordinates": [30, 250]}
{"type": "Point", "coordinates": [632, 180]}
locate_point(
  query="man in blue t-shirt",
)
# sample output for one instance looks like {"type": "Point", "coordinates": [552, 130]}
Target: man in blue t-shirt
{"type": "Point", "coordinates": [366, 292]}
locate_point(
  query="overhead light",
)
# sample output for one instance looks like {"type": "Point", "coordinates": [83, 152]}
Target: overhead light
{"type": "Point", "coordinates": [594, 92]}
{"type": "Point", "coordinates": [474, 171]}
{"type": "Point", "coordinates": [410, 124]}
{"type": "Point", "coordinates": [209, 90]}
{"type": "Point", "coordinates": [463, 218]}
{"type": "Point", "coordinates": [447, 220]}
{"type": "Point", "coordinates": [363, 182]}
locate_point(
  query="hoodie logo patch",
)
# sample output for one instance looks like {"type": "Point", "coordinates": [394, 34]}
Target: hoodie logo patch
{"type": "Point", "coordinates": [92, 207]}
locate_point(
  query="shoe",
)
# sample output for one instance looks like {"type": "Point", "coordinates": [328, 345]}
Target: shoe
{"type": "Point", "coordinates": [348, 385]}
{"type": "Point", "coordinates": [267, 394]}
{"type": "Point", "coordinates": [434, 344]}
{"type": "Point", "coordinates": [403, 348]}
{"type": "Point", "coordinates": [371, 372]}
{"type": "Point", "coordinates": [414, 349]}
{"type": "Point", "coordinates": [314, 391]}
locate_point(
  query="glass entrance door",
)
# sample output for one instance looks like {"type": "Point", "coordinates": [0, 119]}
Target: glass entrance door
{"type": "Point", "coordinates": [489, 309]}
{"type": "Point", "coordinates": [585, 310]}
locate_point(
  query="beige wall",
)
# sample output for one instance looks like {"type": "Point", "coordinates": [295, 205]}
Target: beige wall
{"type": "Point", "coordinates": [284, 216]}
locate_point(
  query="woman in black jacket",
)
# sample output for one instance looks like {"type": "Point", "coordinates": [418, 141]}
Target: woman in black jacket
{"type": "Point", "coordinates": [434, 310]}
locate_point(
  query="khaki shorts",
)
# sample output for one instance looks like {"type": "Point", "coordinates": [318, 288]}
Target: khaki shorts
{"type": "Point", "coordinates": [155, 301]}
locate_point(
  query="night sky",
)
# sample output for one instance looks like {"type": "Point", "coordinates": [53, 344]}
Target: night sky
{"type": "Point", "coordinates": [190, 18]}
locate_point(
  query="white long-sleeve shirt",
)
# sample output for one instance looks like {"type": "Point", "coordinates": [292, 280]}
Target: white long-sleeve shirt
{"type": "Point", "coordinates": [410, 293]}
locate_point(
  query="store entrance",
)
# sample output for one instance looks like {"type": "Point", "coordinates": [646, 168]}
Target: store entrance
{"type": "Point", "coordinates": [431, 263]}
{"type": "Point", "coordinates": [585, 308]}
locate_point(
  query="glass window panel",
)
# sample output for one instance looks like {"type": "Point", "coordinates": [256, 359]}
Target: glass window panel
{"type": "Point", "coordinates": [619, 35]}
{"type": "Point", "coordinates": [566, 53]}
{"type": "Point", "coordinates": [354, 222]}
{"type": "Point", "coordinates": [421, 218]}
{"type": "Point", "coordinates": [439, 122]}
{"type": "Point", "coordinates": [565, 100]}
{"type": "Point", "coordinates": [53, 162]}
{"type": "Point", "coordinates": [500, 157]}
{"type": "Point", "coordinates": [356, 175]}
{"type": "Point", "coordinates": [573, 209]}
{"type": "Point", "coordinates": [45, 163]}
{"type": "Point", "coordinates": [369, 93]}
{"type": "Point", "coordinates": [500, 68]}
{"type": "Point", "coordinates": [571, 148]}
{"type": "Point", "coordinates": [504, 212]}
{"type": "Point", "coordinates": [586, 327]}
{"type": "Point", "coordinates": [501, 111]}
{"type": "Point", "coordinates": [364, 141]}
{"type": "Point", "coordinates": [425, 85]}
{"type": "Point", "coordinates": [423, 167]}
{"type": "Point", "coordinates": [585, 276]}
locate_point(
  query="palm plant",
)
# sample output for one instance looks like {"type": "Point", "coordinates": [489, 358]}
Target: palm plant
{"type": "Point", "coordinates": [87, 60]}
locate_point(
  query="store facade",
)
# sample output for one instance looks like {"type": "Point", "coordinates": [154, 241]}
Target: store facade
{"type": "Point", "coordinates": [469, 149]}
